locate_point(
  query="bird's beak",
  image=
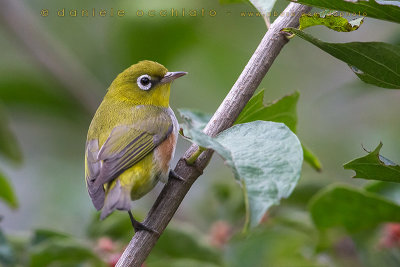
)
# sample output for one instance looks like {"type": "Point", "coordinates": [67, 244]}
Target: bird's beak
{"type": "Point", "coordinates": [170, 76]}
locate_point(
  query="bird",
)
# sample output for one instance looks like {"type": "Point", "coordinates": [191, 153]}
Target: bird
{"type": "Point", "coordinates": [131, 139]}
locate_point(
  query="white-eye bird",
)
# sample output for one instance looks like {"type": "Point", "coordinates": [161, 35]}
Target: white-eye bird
{"type": "Point", "coordinates": [131, 139]}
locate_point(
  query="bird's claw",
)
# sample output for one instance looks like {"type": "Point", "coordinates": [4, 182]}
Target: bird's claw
{"type": "Point", "coordinates": [138, 226]}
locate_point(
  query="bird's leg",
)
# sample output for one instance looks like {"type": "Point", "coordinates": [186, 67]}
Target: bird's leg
{"type": "Point", "coordinates": [174, 175]}
{"type": "Point", "coordinates": [138, 226]}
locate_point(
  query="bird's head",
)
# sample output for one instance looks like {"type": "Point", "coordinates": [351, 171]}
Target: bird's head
{"type": "Point", "coordinates": [144, 83]}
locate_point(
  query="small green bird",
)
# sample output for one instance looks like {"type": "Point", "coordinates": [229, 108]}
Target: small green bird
{"type": "Point", "coordinates": [131, 139]}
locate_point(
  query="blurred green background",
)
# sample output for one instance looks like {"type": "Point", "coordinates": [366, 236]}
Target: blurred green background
{"type": "Point", "coordinates": [337, 112]}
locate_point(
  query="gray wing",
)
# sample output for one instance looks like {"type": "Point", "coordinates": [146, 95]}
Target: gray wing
{"type": "Point", "coordinates": [125, 146]}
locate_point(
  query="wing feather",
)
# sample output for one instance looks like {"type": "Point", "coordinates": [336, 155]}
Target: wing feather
{"type": "Point", "coordinates": [125, 146]}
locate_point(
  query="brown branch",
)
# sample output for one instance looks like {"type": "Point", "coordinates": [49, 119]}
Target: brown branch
{"type": "Point", "coordinates": [51, 55]}
{"type": "Point", "coordinates": [175, 190]}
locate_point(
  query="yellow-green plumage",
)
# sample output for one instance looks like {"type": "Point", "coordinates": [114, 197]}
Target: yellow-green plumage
{"type": "Point", "coordinates": [131, 138]}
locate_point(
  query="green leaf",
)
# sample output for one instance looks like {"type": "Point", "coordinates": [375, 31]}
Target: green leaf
{"type": "Point", "coordinates": [188, 247]}
{"type": "Point", "coordinates": [385, 10]}
{"type": "Point", "coordinates": [117, 226]}
{"type": "Point", "coordinates": [303, 193]}
{"type": "Point", "coordinates": [333, 22]}
{"type": "Point", "coordinates": [282, 110]}
{"type": "Point", "coordinates": [390, 191]}
{"type": "Point", "coordinates": [6, 251]}
{"type": "Point", "coordinates": [51, 248]}
{"type": "Point", "coordinates": [232, 1]}
{"type": "Point", "coordinates": [8, 143]}
{"type": "Point", "coordinates": [199, 119]}
{"type": "Point", "coordinates": [266, 158]}
{"type": "Point", "coordinates": [373, 62]}
{"type": "Point", "coordinates": [352, 209]}
{"type": "Point", "coordinates": [41, 235]}
{"type": "Point", "coordinates": [62, 251]}
{"type": "Point", "coordinates": [179, 263]}
{"type": "Point", "coordinates": [270, 246]}
{"type": "Point", "coordinates": [375, 167]}
{"type": "Point", "coordinates": [325, 13]}
{"type": "Point", "coordinates": [7, 193]}
{"type": "Point", "coordinates": [32, 93]}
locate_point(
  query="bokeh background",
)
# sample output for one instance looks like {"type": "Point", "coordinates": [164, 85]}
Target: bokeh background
{"type": "Point", "coordinates": [54, 71]}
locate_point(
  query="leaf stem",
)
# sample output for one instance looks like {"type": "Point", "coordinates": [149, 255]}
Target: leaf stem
{"type": "Point", "coordinates": [191, 160]}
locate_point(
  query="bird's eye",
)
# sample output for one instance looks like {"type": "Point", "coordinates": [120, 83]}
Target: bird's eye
{"type": "Point", "coordinates": [144, 82]}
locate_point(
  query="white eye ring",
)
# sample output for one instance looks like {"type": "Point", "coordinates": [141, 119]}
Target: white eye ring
{"type": "Point", "coordinates": [144, 82]}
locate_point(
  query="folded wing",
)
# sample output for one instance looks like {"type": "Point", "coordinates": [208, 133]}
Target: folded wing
{"type": "Point", "coordinates": [125, 146]}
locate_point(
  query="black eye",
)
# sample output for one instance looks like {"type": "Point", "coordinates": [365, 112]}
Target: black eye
{"type": "Point", "coordinates": [144, 82]}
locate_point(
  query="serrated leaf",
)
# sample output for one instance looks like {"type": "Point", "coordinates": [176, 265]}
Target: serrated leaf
{"type": "Point", "coordinates": [375, 167]}
{"type": "Point", "coordinates": [7, 193]}
{"type": "Point", "coordinates": [373, 62]}
{"type": "Point", "coordinates": [326, 12]}
{"type": "Point", "coordinates": [352, 209]}
{"type": "Point", "coordinates": [265, 157]}
{"type": "Point", "coordinates": [385, 10]}
{"type": "Point", "coordinates": [8, 143]}
{"type": "Point", "coordinates": [333, 22]}
{"type": "Point", "coordinates": [282, 110]}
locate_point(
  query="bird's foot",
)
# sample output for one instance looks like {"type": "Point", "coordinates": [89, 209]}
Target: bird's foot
{"type": "Point", "coordinates": [174, 175]}
{"type": "Point", "coordinates": [138, 226]}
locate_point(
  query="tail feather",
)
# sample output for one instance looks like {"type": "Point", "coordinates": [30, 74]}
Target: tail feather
{"type": "Point", "coordinates": [92, 171]}
{"type": "Point", "coordinates": [117, 198]}
{"type": "Point", "coordinates": [97, 194]}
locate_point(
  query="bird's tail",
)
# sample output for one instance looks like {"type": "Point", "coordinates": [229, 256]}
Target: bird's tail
{"type": "Point", "coordinates": [116, 198]}
{"type": "Point", "coordinates": [96, 193]}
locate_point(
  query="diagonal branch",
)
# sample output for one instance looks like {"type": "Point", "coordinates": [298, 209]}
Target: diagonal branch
{"type": "Point", "coordinates": [175, 190]}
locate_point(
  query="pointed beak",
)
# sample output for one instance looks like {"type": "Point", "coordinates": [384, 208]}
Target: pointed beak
{"type": "Point", "coordinates": [170, 76]}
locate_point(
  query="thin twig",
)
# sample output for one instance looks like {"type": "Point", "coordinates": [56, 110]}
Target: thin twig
{"type": "Point", "coordinates": [175, 190]}
{"type": "Point", "coordinates": [51, 55]}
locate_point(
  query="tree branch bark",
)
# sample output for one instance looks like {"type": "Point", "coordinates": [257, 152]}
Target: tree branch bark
{"type": "Point", "coordinates": [175, 190]}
